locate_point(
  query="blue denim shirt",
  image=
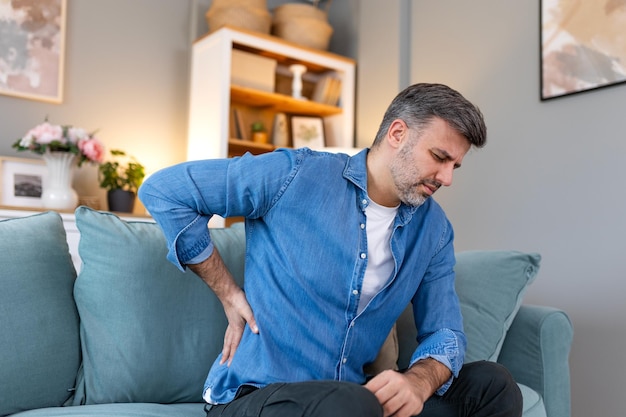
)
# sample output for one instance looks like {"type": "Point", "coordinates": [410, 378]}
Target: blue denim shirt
{"type": "Point", "coordinates": [306, 256]}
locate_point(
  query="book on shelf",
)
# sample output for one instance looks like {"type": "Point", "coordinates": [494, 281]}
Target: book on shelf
{"type": "Point", "coordinates": [327, 90]}
{"type": "Point", "coordinates": [240, 126]}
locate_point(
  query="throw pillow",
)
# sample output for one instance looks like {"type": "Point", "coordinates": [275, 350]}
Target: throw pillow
{"type": "Point", "coordinates": [490, 286]}
{"type": "Point", "coordinates": [149, 331]}
{"type": "Point", "coordinates": [39, 326]}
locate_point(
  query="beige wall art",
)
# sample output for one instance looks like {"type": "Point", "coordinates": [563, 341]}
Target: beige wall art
{"type": "Point", "coordinates": [32, 46]}
{"type": "Point", "coordinates": [583, 45]}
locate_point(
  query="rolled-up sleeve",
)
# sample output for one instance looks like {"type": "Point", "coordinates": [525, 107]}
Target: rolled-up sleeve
{"type": "Point", "coordinates": [174, 197]}
{"type": "Point", "coordinates": [445, 346]}
{"type": "Point", "coordinates": [183, 198]}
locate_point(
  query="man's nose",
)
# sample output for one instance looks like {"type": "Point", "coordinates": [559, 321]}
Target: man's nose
{"type": "Point", "coordinates": [445, 174]}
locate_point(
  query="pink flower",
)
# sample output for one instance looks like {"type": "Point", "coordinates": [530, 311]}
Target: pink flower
{"type": "Point", "coordinates": [92, 148]}
{"type": "Point", "coordinates": [46, 133]}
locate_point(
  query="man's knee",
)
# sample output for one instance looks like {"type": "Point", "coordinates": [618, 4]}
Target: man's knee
{"type": "Point", "coordinates": [490, 373]}
{"type": "Point", "coordinates": [498, 388]}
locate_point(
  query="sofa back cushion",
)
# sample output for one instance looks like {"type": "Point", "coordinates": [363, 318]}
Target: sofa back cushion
{"type": "Point", "coordinates": [149, 331]}
{"type": "Point", "coordinates": [490, 286]}
{"type": "Point", "coordinates": [40, 346]}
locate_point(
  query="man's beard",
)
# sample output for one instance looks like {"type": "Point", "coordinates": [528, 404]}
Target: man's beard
{"type": "Point", "coordinates": [403, 172]}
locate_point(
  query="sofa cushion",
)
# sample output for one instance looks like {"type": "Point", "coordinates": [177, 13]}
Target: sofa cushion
{"type": "Point", "coordinates": [533, 405]}
{"type": "Point", "coordinates": [150, 332]}
{"type": "Point", "coordinates": [121, 410]}
{"type": "Point", "coordinates": [490, 286]}
{"type": "Point", "coordinates": [40, 346]}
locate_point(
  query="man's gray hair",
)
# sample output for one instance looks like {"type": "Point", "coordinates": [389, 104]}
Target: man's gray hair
{"type": "Point", "coordinates": [418, 104]}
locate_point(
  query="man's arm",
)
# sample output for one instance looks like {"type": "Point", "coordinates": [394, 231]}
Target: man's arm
{"type": "Point", "coordinates": [404, 394]}
{"type": "Point", "coordinates": [214, 273]}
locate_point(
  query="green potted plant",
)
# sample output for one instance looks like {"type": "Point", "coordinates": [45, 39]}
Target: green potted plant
{"type": "Point", "coordinates": [259, 134]}
{"type": "Point", "coordinates": [121, 177]}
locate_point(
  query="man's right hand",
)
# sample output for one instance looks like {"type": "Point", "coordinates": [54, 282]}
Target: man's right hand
{"type": "Point", "coordinates": [214, 273]}
{"type": "Point", "coordinates": [238, 313]}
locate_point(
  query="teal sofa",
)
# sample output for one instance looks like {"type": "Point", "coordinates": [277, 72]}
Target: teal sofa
{"type": "Point", "coordinates": [133, 336]}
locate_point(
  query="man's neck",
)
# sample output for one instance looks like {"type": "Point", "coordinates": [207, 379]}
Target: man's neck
{"type": "Point", "coordinates": [380, 186]}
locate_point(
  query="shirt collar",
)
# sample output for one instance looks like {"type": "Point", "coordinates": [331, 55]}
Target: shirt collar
{"type": "Point", "coordinates": [356, 172]}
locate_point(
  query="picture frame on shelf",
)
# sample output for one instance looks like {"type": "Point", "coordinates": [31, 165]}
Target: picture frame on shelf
{"type": "Point", "coordinates": [21, 181]}
{"type": "Point", "coordinates": [583, 47]}
{"type": "Point", "coordinates": [35, 33]}
{"type": "Point", "coordinates": [307, 131]}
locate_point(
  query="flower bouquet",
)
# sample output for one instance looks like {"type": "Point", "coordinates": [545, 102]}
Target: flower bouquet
{"type": "Point", "coordinates": [60, 147]}
{"type": "Point", "coordinates": [47, 138]}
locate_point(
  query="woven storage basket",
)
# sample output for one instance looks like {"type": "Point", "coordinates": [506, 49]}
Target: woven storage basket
{"type": "Point", "coordinates": [239, 14]}
{"type": "Point", "coordinates": [290, 11]}
{"type": "Point", "coordinates": [302, 24]}
{"type": "Point", "coordinates": [253, 4]}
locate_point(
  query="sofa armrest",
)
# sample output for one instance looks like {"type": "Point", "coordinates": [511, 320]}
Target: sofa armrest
{"type": "Point", "coordinates": [536, 351]}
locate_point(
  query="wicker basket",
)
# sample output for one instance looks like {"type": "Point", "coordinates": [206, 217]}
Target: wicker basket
{"type": "Point", "coordinates": [244, 14]}
{"type": "Point", "coordinates": [302, 24]}
{"type": "Point", "coordinates": [291, 11]}
{"type": "Point", "coordinates": [252, 4]}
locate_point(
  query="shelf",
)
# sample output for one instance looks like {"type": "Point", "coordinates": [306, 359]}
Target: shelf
{"type": "Point", "coordinates": [280, 102]}
{"type": "Point", "coordinates": [238, 147]}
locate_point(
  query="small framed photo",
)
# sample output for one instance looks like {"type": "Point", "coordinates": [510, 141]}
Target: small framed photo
{"type": "Point", "coordinates": [307, 132]}
{"type": "Point", "coordinates": [21, 181]}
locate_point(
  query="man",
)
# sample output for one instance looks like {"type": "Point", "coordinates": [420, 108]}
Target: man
{"type": "Point", "coordinates": [337, 247]}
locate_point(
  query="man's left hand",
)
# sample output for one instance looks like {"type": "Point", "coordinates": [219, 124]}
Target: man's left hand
{"type": "Point", "coordinates": [404, 394]}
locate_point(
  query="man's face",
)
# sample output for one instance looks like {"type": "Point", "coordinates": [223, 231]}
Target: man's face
{"type": "Point", "coordinates": [424, 164]}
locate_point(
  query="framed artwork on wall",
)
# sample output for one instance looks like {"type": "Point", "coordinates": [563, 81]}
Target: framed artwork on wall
{"type": "Point", "coordinates": [21, 181]}
{"type": "Point", "coordinates": [583, 46]}
{"type": "Point", "coordinates": [32, 49]}
{"type": "Point", "coordinates": [307, 132]}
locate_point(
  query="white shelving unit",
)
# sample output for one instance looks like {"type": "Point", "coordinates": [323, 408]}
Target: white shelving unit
{"type": "Point", "coordinates": [212, 95]}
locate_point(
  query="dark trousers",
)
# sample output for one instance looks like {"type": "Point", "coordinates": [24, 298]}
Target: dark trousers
{"type": "Point", "coordinates": [482, 389]}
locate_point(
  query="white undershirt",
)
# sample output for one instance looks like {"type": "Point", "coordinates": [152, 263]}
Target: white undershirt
{"type": "Point", "coordinates": [379, 258]}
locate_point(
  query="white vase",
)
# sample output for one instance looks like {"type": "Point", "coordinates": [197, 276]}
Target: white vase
{"type": "Point", "coordinates": [57, 190]}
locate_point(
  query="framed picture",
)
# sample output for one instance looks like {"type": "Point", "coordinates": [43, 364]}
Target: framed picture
{"type": "Point", "coordinates": [583, 46]}
{"type": "Point", "coordinates": [32, 49]}
{"type": "Point", "coordinates": [307, 132]}
{"type": "Point", "coordinates": [22, 181]}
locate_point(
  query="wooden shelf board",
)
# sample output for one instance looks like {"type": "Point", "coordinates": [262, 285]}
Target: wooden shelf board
{"type": "Point", "coordinates": [238, 147]}
{"type": "Point", "coordinates": [240, 43]}
{"type": "Point", "coordinates": [280, 102]}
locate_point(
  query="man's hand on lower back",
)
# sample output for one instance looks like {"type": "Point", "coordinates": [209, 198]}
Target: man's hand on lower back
{"type": "Point", "coordinates": [238, 313]}
{"type": "Point", "coordinates": [214, 273]}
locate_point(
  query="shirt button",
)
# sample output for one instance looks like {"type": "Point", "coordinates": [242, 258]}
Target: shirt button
{"type": "Point", "coordinates": [364, 201]}
{"type": "Point", "coordinates": [362, 225]}
{"type": "Point", "coordinates": [363, 255]}
{"type": "Point", "coordinates": [355, 292]}
{"type": "Point", "coordinates": [344, 360]}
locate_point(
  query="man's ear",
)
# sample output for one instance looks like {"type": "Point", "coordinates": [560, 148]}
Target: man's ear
{"type": "Point", "coordinates": [398, 131]}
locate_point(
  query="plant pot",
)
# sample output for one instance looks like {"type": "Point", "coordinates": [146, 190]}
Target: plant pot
{"type": "Point", "coordinates": [121, 200]}
{"type": "Point", "coordinates": [260, 137]}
